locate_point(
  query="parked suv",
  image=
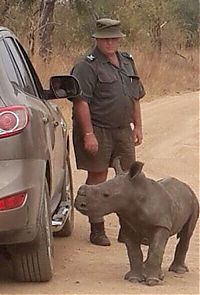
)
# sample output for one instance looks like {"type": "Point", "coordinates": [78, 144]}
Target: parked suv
{"type": "Point", "coordinates": [36, 190]}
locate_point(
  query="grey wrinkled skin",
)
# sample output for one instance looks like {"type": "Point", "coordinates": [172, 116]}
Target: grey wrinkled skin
{"type": "Point", "coordinates": [149, 213]}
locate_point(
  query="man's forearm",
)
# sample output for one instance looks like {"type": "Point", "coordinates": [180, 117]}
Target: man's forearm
{"type": "Point", "coordinates": [82, 115]}
{"type": "Point", "coordinates": [137, 117]}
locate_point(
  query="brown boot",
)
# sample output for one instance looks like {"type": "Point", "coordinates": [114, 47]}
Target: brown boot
{"type": "Point", "coordinates": [98, 236]}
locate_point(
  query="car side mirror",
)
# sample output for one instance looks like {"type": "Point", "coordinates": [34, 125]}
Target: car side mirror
{"type": "Point", "coordinates": [65, 86]}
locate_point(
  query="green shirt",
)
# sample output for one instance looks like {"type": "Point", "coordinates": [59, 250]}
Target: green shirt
{"type": "Point", "coordinates": [109, 90]}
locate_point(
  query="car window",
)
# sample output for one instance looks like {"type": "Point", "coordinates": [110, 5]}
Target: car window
{"type": "Point", "coordinates": [27, 81]}
{"type": "Point", "coordinates": [34, 75]}
{"type": "Point", "coordinates": [9, 67]}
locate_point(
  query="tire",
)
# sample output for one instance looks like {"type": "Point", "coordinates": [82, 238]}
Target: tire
{"type": "Point", "coordinates": [67, 195]}
{"type": "Point", "coordinates": [33, 262]}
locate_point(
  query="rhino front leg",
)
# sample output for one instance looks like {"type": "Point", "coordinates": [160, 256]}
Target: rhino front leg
{"type": "Point", "coordinates": [152, 266]}
{"type": "Point", "coordinates": [135, 256]}
{"type": "Point", "coordinates": [134, 252]}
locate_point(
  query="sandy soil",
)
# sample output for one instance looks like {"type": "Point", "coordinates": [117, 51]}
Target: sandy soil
{"type": "Point", "coordinates": [170, 148]}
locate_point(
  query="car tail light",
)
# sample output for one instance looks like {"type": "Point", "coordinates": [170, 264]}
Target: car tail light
{"type": "Point", "coordinates": [12, 202]}
{"type": "Point", "coordinates": [13, 120]}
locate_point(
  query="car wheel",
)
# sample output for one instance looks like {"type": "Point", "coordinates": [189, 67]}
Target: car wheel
{"type": "Point", "coordinates": [67, 195]}
{"type": "Point", "coordinates": [33, 262]}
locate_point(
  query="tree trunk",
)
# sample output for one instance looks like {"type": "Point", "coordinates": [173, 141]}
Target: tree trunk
{"type": "Point", "coordinates": [157, 36]}
{"type": "Point", "coordinates": [46, 28]}
{"type": "Point", "coordinates": [156, 33]}
{"type": "Point", "coordinates": [4, 11]}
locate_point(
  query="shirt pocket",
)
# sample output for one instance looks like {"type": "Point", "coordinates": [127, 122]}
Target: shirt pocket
{"type": "Point", "coordinates": [106, 84]}
{"type": "Point", "coordinates": [133, 82]}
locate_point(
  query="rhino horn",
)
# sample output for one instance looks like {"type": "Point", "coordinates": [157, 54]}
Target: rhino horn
{"type": "Point", "coordinates": [117, 166]}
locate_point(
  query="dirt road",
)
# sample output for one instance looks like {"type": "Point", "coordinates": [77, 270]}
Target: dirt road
{"type": "Point", "coordinates": [171, 147]}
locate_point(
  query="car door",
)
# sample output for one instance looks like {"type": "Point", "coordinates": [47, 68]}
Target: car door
{"type": "Point", "coordinates": [42, 113]}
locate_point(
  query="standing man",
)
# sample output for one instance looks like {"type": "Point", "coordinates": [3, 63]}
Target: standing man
{"type": "Point", "coordinates": [107, 117]}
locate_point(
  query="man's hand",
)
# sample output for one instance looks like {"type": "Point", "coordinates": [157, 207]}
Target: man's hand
{"type": "Point", "coordinates": [137, 123]}
{"type": "Point", "coordinates": [90, 143]}
{"type": "Point", "coordinates": [137, 135]}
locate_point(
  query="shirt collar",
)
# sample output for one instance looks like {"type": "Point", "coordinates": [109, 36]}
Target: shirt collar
{"type": "Point", "coordinates": [103, 59]}
{"type": "Point", "coordinates": [122, 59]}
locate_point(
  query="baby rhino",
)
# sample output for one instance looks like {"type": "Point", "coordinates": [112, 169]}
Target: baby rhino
{"type": "Point", "coordinates": [149, 213]}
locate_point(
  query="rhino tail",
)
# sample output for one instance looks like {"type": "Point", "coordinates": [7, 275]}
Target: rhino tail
{"type": "Point", "coordinates": [194, 217]}
{"type": "Point", "coordinates": [195, 214]}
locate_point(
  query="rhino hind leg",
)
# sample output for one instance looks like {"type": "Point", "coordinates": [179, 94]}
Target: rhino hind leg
{"type": "Point", "coordinates": [180, 269]}
{"type": "Point", "coordinates": [178, 264]}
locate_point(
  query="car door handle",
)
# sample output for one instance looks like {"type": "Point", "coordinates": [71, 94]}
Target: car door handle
{"type": "Point", "coordinates": [63, 125]}
{"type": "Point", "coordinates": [55, 123]}
{"type": "Point", "coordinates": [45, 120]}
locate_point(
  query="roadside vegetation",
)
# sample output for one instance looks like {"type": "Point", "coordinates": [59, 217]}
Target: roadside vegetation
{"type": "Point", "coordinates": [163, 36]}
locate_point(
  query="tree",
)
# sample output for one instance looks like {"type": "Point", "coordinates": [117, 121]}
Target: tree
{"type": "Point", "coordinates": [187, 14]}
{"type": "Point", "coordinates": [46, 27]}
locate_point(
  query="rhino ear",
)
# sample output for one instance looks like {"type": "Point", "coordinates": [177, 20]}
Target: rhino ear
{"type": "Point", "coordinates": [117, 166]}
{"type": "Point", "coordinates": [136, 169]}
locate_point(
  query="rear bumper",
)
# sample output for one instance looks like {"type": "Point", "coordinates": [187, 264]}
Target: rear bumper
{"type": "Point", "coordinates": [20, 225]}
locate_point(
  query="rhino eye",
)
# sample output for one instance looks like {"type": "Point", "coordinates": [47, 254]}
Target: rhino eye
{"type": "Point", "coordinates": [106, 195]}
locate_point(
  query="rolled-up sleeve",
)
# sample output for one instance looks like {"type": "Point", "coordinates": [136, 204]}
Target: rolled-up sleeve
{"type": "Point", "coordinates": [141, 90]}
{"type": "Point", "coordinates": [140, 87]}
{"type": "Point", "coordinates": [87, 78]}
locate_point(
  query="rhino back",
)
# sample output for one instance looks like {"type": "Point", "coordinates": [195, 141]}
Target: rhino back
{"type": "Point", "coordinates": [183, 200]}
{"type": "Point", "coordinates": [166, 203]}
{"type": "Point", "coordinates": [178, 190]}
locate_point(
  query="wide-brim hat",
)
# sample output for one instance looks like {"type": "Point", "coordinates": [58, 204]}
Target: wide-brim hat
{"type": "Point", "coordinates": [108, 28]}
